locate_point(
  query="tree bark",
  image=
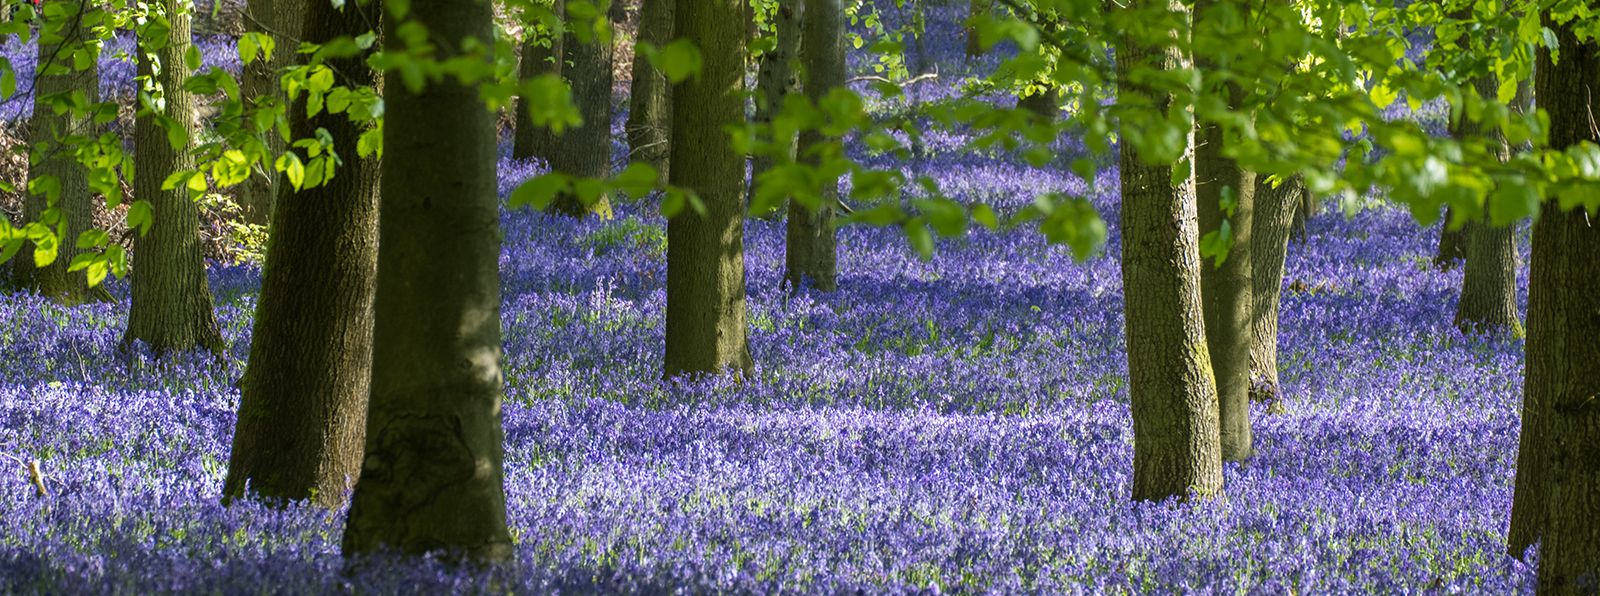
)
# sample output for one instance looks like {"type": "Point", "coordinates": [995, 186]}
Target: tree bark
{"type": "Point", "coordinates": [48, 136]}
{"type": "Point", "coordinates": [975, 8]}
{"type": "Point", "coordinates": [1308, 208]}
{"type": "Point", "coordinates": [171, 307]}
{"type": "Point", "coordinates": [279, 19]}
{"type": "Point", "coordinates": [1489, 285]}
{"type": "Point", "coordinates": [1226, 289]}
{"type": "Point", "coordinates": [1046, 104]}
{"type": "Point", "coordinates": [585, 150]}
{"type": "Point", "coordinates": [432, 475]}
{"type": "Point", "coordinates": [1176, 447]}
{"type": "Point", "coordinates": [811, 250]}
{"type": "Point", "coordinates": [541, 54]}
{"type": "Point", "coordinates": [1558, 467]}
{"type": "Point", "coordinates": [1452, 243]}
{"type": "Point", "coordinates": [650, 98]}
{"type": "Point", "coordinates": [1269, 248]}
{"type": "Point", "coordinates": [303, 403]}
{"type": "Point", "coordinates": [705, 328]}
{"type": "Point", "coordinates": [776, 78]}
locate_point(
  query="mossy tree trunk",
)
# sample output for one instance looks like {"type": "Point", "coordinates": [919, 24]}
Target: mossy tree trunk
{"type": "Point", "coordinates": [50, 137]}
{"type": "Point", "coordinates": [650, 97]}
{"type": "Point", "coordinates": [1227, 294]}
{"type": "Point", "coordinates": [541, 55]}
{"type": "Point", "coordinates": [1269, 248]}
{"type": "Point", "coordinates": [303, 403]}
{"type": "Point", "coordinates": [776, 78]}
{"type": "Point", "coordinates": [171, 307]}
{"type": "Point", "coordinates": [811, 248]}
{"type": "Point", "coordinates": [281, 20]}
{"type": "Point", "coordinates": [585, 150]}
{"type": "Point", "coordinates": [1176, 447]}
{"type": "Point", "coordinates": [1557, 495]}
{"type": "Point", "coordinates": [432, 474]}
{"type": "Point", "coordinates": [705, 328]}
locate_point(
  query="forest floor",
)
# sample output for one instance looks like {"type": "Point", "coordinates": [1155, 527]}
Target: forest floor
{"type": "Point", "coordinates": [959, 424]}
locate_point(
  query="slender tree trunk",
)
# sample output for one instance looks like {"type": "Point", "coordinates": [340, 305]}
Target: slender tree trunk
{"type": "Point", "coordinates": [303, 404]}
{"type": "Point", "coordinates": [1558, 467]}
{"type": "Point", "coordinates": [811, 251]}
{"type": "Point", "coordinates": [1269, 248]}
{"type": "Point", "coordinates": [586, 150]}
{"type": "Point", "coordinates": [706, 330]}
{"type": "Point", "coordinates": [1226, 289]}
{"type": "Point", "coordinates": [650, 99]}
{"type": "Point", "coordinates": [776, 78]}
{"type": "Point", "coordinates": [975, 8]}
{"type": "Point", "coordinates": [279, 19]}
{"type": "Point", "coordinates": [171, 307]}
{"type": "Point", "coordinates": [432, 475]}
{"type": "Point", "coordinates": [1176, 448]}
{"type": "Point", "coordinates": [1308, 208]}
{"type": "Point", "coordinates": [541, 55]}
{"type": "Point", "coordinates": [47, 132]}
{"type": "Point", "coordinates": [1452, 243]}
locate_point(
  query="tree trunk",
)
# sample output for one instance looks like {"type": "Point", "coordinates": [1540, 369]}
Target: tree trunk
{"type": "Point", "coordinates": [650, 99]}
{"type": "Point", "coordinates": [706, 330]}
{"type": "Point", "coordinates": [1452, 243]}
{"type": "Point", "coordinates": [1226, 289]}
{"type": "Point", "coordinates": [1558, 467]}
{"type": "Point", "coordinates": [776, 78]}
{"type": "Point", "coordinates": [811, 249]}
{"type": "Point", "coordinates": [541, 55]}
{"type": "Point", "coordinates": [432, 475]}
{"type": "Point", "coordinates": [303, 403]}
{"type": "Point", "coordinates": [1176, 448]}
{"type": "Point", "coordinates": [1269, 248]}
{"type": "Point", "coordinates": [975, 8]}
{"type": "Point", "coordinates": [46, 132]}
{"type": "Point", "coordinates": [1047, 103]}
{"type": "Point", "coordinates": [279, 19]}
{"type": "Point", "coordinates": [585, 150]}
{"type": "Point", "coordinates": [1303, 212]}
{"type": "Point", "coordinates": [1489, 286]}
{"type": "Point", "coordinates": [171, 307]}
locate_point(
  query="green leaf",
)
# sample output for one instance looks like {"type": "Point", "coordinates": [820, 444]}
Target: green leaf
{"type": "Point", "coordinates": [921, 240]}
{"type": "Point", "coordinates": [191, 58]}
{"type": "Point", "coordinates": [680, 60]}
{"type": "Point", "coordinates": [1216, 243]}
{"type": "Point", "coordinates": [8, 79]}
{"type": "Point", "coordinates": [141, 216]}
{"type": "Point", "coordinates": [248, 49]}
{"type": "Point", "coordinates": [92, 238]}
{"type": "Point", "coordinates": [637, 180]}
{"type": "Point", "coordinates": [539, 191]}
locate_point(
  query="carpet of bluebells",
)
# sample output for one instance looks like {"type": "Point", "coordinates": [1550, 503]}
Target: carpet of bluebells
{"type": "Point", "coordinates": [960, 424]}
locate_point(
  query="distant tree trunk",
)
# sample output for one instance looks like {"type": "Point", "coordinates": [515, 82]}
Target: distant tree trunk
{"type": "Point", "coordinates": [217, 17]}
{"type": "Point", "coordinates": [541, 54]}
{"type": "Point", "coordinates": [1047, 103]}
{"type": "Point", "coordinates": [1269, 247]}
{"type": "Point", "coordinates": [705, 327]}
{"type": "Point", "coordinates": [586, 150]}
{"type": "Point", "coordinates": [650, 99]}
{"type": "Point", "coordinates": [303, 403]}
{"type": "Point", "coordinates": [45, 130]}
{"type": "Point", "coordinates": [279, 19]}
{"type": "Point", "coordinates": [1308, 208]}
{"type": "Point", "coordinates": [975, 8]}
{"type": "Point", "coordinates": [1176, 448]}
{"type": "Point", "coordinates": [171, 307]}
{"type": "Point", "coordinates": [811, 252]}
{"type": "Point", "coordinates": [1558, 467]}
{"type": "Point", "coordinates": [432, 475]}
{"type": "Point", "coordinates": [1489, 286]}
{"type": "Point", "coordinates": [776, 78]}
{"type": "Point", "coordinates": [1452, 243]}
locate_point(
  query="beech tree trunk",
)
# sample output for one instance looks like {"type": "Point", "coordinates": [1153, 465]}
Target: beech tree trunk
{"type": "Point", "coordinates": [541, 55]}
{"type": "Point", "coordinates": [585, 150]}
{"type": "Point", "coordinates": [811, 249]}
{"type": "Point", "coordinates": [1269, 248]}
{"type": "Point", "coordinates": [46, 130]}
{"type": "Point", "coordinates": [1176, 446]}
{"type": "Point", "coordinates": [171, 307]}
{"type": "Point", "coordinates": [303, 404]}
{"type": "Point", "coordinates": [1489, 286]}
{"type": "Point", "coordinates": [281, 20]}
{"type": "Point", "coordinates": [776, 78]}
{"type": "Point", "coordinates": [432, 475]}
{"type": "Point", "coordinates": [1226, 289]}
{"type": "Point", "coordinates": [1558, 467]}
{"type": "Point", "coordinates": [705, 328]}
{"type": "Point", "coordinates": [650, 98]}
